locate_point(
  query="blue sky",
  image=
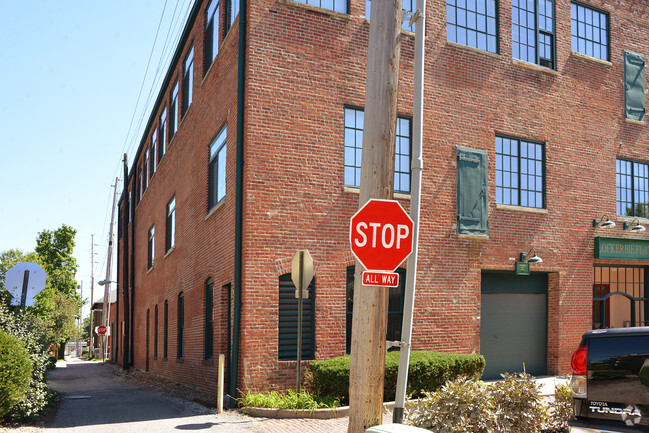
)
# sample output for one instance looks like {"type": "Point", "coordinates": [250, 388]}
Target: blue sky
{"type": "Point", "coordinates": [71, 75]}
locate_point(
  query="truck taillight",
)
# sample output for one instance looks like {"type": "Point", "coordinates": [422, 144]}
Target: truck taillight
{"type": "Point", "coordinates": [579, 361]}
{"type": "Point", "coordinates": [579, 368]}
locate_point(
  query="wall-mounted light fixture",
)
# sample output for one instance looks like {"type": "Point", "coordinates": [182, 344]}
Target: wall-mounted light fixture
{"type": "Point", "coordinates": [525, 257]}
{"type": "Point", "coordinates": [606, 222]}
{"type": "Point", "coordinates": [637, 227]}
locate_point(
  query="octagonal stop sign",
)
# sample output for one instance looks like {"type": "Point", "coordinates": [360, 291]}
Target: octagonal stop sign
{"type": "Point", "coordinates": [381, 235]}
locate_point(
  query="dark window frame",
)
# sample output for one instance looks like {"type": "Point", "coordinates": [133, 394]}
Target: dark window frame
{"type": "Point", "coordinates": [335, 3]}
{"type": "Point", "coordinates": [151, 248]}
{"type": "Point", "coordinates": [170, 226]}
{"type": "Point", "coordinates": [155, 332]}
{"type": "Point", "coordinates": [216, 179]}
{"type": "Point", "coordinates": [165, 334]}
{"type": "Point", "coordinates": [353, 152]}
{"type": "Point", "coordinates": [510, 179]}
{"type": "Point", "coordinates": [632, 188]}
{"type": "Point", "coordinates": [476, 28]}
{"type": "Point", "coordinates": [287, 321]}
{"type": "Point", "coordinates": [188, 82]}
{"type": "Point", "coordinates": [180, 353]}
{"type": "Point", "coordinates": [543, 47]}
{"type": "Point", "coordinates": [209, 320]}
{"type": "Point", "coordinates": [173, 111]}
{"type": "Point", "coordinates": [212, 36]}
{"type": "Point", "coordinates": [583, 37]}
{"type": "Point", "coordinates": [153, 152]}
{"type": "Point", "coordinates": [162, 148]}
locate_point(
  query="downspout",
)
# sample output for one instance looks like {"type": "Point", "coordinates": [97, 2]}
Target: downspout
{"type": "Point", "coordinates": [125, 257]}
{"type": "Point", "coordinates": [128, 322]}
{"type": "Point", "coordinates": [238, 213]}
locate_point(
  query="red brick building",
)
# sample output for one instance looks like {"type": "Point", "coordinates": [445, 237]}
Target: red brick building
{"type": "Point", "coordinates": [534, 127]}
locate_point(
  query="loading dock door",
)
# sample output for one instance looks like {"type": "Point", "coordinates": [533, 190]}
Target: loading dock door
{"type": "Point", "coordinates": [514, 324]}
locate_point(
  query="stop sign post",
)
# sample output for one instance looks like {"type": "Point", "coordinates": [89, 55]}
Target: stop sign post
{"type": "Point", "coordinates": [381, 239]}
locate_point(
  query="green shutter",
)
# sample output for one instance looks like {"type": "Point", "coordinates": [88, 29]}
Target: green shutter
{"type": "Point", "coordinates": [634, 87]}
{"type": "Point", "coordinates": [287, 327]}
{"type": "Point", "coordinates": [472, 208]}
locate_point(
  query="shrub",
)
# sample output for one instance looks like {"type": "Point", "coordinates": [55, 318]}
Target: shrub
{"type": "Point", "coordinates": [288, 400]}
{"type": "Point", "coordinates": [512, 405]}
{"type": "Point", "coordinates": [461, 405]}
{"type": "Point", "coordinates": [518, 401]}
{"type": "Point", "coordinates": [15, 372]}
{"type": "Point", "coordinates": [427, 371]}
{"type": "Point", "coordinates": [561, 408]}
{"type": "Point", "coordinates": [22, 326]}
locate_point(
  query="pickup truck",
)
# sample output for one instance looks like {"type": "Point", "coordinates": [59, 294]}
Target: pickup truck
{"type": "Point", "coordinates": [610, 382]}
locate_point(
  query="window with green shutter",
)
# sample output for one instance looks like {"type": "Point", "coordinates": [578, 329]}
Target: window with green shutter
{"type": "Point", "coordinates": [634, 87]}
{"type": "Point", "coordinates": [472, 209]}
{"type": "Point", "coordinates": [287, 327]}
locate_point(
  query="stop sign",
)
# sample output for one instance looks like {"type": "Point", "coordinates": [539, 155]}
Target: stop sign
{"type": "Point", "coordinates": [381, 235]}
{"type": "Point", "coordinates": [101, 330]}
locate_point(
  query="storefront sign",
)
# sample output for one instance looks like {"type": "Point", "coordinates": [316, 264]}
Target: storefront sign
{"type": "Point", "coordinates": [621, 248]}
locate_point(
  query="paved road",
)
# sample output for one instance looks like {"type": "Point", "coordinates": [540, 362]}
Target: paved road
{"type": "Point", "coordinates": [94, 400]}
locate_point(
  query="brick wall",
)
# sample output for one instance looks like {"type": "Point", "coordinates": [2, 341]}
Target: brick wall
{"type": "Point", "coordinates": [303, 67]}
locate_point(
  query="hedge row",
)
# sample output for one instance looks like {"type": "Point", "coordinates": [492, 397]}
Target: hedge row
{"type": "Point", "coordinates": [427, 371]}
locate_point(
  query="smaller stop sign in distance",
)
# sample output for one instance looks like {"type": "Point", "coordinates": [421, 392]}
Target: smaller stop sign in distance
{"type": "Point", "coordinates": [381, 235]}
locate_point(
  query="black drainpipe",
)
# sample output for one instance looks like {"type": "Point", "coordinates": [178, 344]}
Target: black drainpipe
{"type": "Point", "coordinates": [238, 214]}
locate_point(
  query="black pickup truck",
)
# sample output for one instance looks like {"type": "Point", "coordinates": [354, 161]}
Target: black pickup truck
{"type": "Point", "coordinates": [610, 382]}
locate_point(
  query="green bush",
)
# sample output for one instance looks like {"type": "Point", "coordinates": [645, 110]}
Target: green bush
{"type": "Point", "coordinates": [287, 400]}
{"type": "Point", "coordinates": [561, 408]}
{"type": "Point", "coordinates": [23, 326]}
{"type": "Point", "coordinates": [15, 372]}
{"type": "Point", "coordinates": [471, 406]}
{"type": "Point", "coordinates": [427, 371]}
{"type": "Point", "coordinates": [461, 405]}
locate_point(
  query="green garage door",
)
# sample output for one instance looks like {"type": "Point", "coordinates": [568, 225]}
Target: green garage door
{"type": "Point", "coordinates": [514, 324]}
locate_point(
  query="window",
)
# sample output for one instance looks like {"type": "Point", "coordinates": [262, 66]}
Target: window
{"type": "Point", "coordinates": [216, 174]}
{"type": "Point", "coordinates": [130, 207]}
{"type": "Point", "coordinates": [171, 224]}
{"type": "Point", "coordinates": [472, 23]}
{"type": "Point", "coordinates": [145, 171]}
{"type": "Point", "coordinates": [155, 333]}
{"type": "Point", "coordinates": [632, 184]}
{"type": "Point", "coordinates": [173, 111]}
{"type": "Point", "coordinates": [395, 307]}
{"type": "Point", "coordinates": [154, 145]}
{"type": "Point", "coordinates": [211, 33]}
{"type": "Point", "coordinates": [181, 325]}
{"type": "Point", "coordinates": [533, 31]}
{"type": "Point", "coordinates": [233, 6]}
{"type": "Point", "coordinates": [334, 5]}
{"type": "Point", "coordinates": [165, 333]}
{"type": "Point", "coordinates": [287, 333]}
{"type": "Point", "coordinates": [163, 134]}
{"type": "Point", "coordinates": [354, 144]}
{"type": "Point", "coordinates": [589, 31]}
{"type": "Point", "coordinates": [151, 248]}
{"type": "Point", "coordinates": [188, 80]}
{"type": "Point", "coordinates": [139, 184]}
{"type": "Point", "coordinates": [209, 320]}
{"type": "Point", "coordinates": [520, 174]}
{"type": "Point", "coordinates": [407, 5]}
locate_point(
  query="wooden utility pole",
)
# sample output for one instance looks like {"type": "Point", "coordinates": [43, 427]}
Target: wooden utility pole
{"type": "Point", "coordinates": [369, 322]}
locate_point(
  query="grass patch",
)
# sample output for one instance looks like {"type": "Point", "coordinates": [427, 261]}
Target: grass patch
{"type": "Point", "coordinates": [288, 400]}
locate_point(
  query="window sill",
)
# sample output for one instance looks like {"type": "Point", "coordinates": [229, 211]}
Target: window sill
{"type": "Point", "coordinates": [475, 237]}
{"type": "Point", "coordinates": [208, 362]}
{"type": "Point", "coordinates": [410, 33]}
{"type": "Point", "coordinates": [315, 9]}
{"type": "Point", "coordinates": [590, 59]}
{"type": "Point", "coordinates": [469, 49]}
{"type": "Point", "coordinates": [635, 122]}
{"type": "Point", "coordinates": [357, 190]}
{"type": "Point", "coordinates": [534, 67]}
{"type": "Point", "coordinates": [510, 207]}
{"type": "Point", "coordinates": [149, 270]}
{"type": "Point", "coordinates": [180, 360]}
{"type": "Point", "coordinates": [169, 251]}
{"type": "Point", "coordinates": [215, 208]}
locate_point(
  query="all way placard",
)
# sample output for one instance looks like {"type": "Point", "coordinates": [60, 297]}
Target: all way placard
{"type": "Point", "coordinates": [383, 279]}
